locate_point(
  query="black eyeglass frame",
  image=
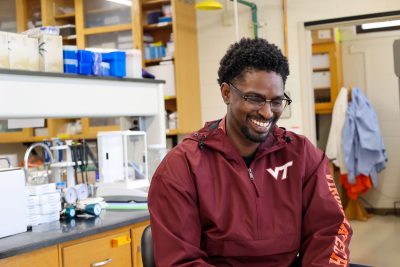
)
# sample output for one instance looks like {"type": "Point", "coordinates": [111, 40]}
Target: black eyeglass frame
{"type": "Point", "coordinates": [260, 104]}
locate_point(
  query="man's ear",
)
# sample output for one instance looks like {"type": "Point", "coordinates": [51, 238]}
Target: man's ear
{"type": "Point", "coordinates": [225, 93]}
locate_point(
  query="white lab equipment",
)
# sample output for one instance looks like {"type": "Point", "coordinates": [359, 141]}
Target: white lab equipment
{"type": "Point", "coordinates": [122, 165]}
{"type": "Point", "coordinates": [14, 218]}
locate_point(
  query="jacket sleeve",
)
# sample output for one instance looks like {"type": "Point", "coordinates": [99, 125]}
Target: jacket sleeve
{"type": "Point", "coordinates": [326, 233]}
{"type": "Point", "coordinates": [174, 215]}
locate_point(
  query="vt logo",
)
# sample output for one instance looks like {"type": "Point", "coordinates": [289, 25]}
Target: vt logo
{"type": "Point", "coordinates": [278, 169]}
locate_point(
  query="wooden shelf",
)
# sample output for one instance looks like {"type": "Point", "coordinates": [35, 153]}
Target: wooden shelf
{"type": "Point", "coordinates": [169, 97]}
{"type": "Point", "coordinates": [65, 16]}
{"type": "Point", "coordinates": [155, 3]}
{"type": "Point", "coordinates": [172, 132]}
{"type": "Point", "coordinates": [61, 135]}
{"type": "Point", "coordinates": [107, 29]}
{"type": "Point", "coordinates": [68, 38]}
{"type": "Point", "coordinates": [105, 10]}
{"type": "Point", "coordinates": [183, 26]}
{"type": "Point", "coordinates": [156, 61]}
{"type": "Point", "coordinates": [158, 26]}
{"type": "Point", "coordinates": [321, 69]}
{"type": "Point", "coordinates": [329, 92]}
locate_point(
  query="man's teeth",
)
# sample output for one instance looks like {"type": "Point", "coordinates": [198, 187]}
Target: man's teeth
{"type": "Point", "coordinates": [259, 123]}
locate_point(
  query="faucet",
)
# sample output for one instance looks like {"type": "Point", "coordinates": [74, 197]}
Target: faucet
{"type": "Point", "coordinates": [28, 152]}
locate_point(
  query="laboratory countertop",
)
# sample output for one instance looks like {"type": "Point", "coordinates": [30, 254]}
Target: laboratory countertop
{"type": "Point", "coordinates": [76, 76]}
{"type": "Point", "coordinates": [57, 232]}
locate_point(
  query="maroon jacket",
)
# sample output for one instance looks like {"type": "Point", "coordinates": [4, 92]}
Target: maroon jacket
{"type": "Point", "coordinates": [208, 209]}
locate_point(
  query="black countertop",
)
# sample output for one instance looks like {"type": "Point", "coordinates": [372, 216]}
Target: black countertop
{"type": "Point", "coordinates": [45, 235]}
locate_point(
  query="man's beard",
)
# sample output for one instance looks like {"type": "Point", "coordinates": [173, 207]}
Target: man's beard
{"type": "Point", "coordinates": [258, 138]}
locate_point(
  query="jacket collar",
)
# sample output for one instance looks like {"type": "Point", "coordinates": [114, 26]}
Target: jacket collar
{"type": "Point", "coordinates": [213, 136]}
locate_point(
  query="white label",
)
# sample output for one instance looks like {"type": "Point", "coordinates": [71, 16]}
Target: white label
{"type": "Point", "coordinates": [324, 34]}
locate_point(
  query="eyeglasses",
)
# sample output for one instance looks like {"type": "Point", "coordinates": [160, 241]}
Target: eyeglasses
{"type": "Point", "coordinates": [277, 105]}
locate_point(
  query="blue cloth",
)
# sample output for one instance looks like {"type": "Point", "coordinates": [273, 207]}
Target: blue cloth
{"type": "Point", "coordinates": [363, 147]}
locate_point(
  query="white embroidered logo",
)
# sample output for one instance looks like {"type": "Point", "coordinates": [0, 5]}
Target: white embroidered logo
{"type": "Point", "coordinates": [284, 167]}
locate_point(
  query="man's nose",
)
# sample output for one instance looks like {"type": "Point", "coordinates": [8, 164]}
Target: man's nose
{"type": "Point", "coordinates": [266, 111]}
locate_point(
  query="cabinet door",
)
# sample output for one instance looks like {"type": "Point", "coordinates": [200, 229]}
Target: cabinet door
{"type": "Point", "coordinates": [137, 245]}
{"type": "Point", "coordinates": [99, 252]}
{"type": "Point", "coordinates": [104, 24]}
{"type": "Point", "coordinates": [47, 257]}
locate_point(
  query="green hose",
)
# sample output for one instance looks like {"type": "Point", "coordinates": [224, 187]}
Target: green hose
{"type": "Point", "coordinates": [253, 15]}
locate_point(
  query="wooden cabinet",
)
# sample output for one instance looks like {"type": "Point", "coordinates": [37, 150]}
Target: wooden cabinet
{"type": "Point", "coordinates": [136, 234]}
{"type": "Point", "coordinates": [114, 249]}
{"type": "Point", "coordinates": [58, 128]}
{"type": "Point", "coordinates": [327, 75]}
{"type": "Point", "coordinates": [120, 247]}
{"type": "Point", "coordinates": [13, 135]}
{"type": "Point", "coordinates": [47, 257]}
{"type": "Point", "coordinates": [186, 102]}
{"type": "Point", "coordinates": [107, 24]}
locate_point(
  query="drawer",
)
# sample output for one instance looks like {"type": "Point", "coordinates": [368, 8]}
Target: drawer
{"type": "Point", "coordinates": [99, 251]}
{"type": "Point", "coordinates": [321, 79]}
{"type": "Point", "coordinates": [320, 61]}
{"type": "Point", "coordinates": [46, 257]}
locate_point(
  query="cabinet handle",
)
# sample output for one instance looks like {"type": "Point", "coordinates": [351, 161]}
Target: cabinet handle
{"type": "Point", "coordinates": [101, 263]}
{"type": "Point", "coordinates": [120, 241]}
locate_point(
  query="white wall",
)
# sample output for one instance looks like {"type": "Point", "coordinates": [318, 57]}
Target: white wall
{"type": "Point", "coordinates": [214, 38]}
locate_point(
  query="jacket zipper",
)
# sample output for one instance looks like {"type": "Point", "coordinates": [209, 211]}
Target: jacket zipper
{"type": "Point", "coordinates": [251, 176]}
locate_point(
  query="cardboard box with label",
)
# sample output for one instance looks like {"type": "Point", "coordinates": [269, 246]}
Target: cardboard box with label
{"type": "Point", "coordinates": [4, 58]}
{"type": "Point", "coordinates": [325, 35]}
{"type": "Point", "coordinates": [33, 51]}
{"type": "Point", "coordinates": [18, 54]}
{"type": "Point", "coordinates": [51, 53]}
{"type": "Point", "coordinates": [165, 71]}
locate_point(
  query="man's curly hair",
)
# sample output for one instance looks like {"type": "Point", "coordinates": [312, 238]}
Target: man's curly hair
{"type": "Point", "coordinates": [252, 55]}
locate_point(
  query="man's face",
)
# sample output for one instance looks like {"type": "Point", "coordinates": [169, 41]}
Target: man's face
{"type": "Point", "coordinates": [245, 118]}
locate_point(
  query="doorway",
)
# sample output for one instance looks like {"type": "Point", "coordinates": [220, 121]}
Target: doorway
{"type": "Point", "coordinates": [367, 62]}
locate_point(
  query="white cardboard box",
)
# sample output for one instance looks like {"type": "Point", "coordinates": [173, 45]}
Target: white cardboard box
{"type": "Point", "coordinates": [133, 63]}
{"type": "Point", "coordinates": [50, 53]}
{"type": "Point", "coordinates": [165, 71]}
{"type": "Point", "coordinates": [33, 52]}
{"type": "Point", "coordinates": [18, 52]}
{"type": "Point", "coordinates": [4, 58]}
{"type": "Point", "coordinates": [13, 211]}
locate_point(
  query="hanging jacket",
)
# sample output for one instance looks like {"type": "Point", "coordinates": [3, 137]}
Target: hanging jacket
{"type": "Point", "coordinates": [363, 146]}
{"type": "Point", "coordinates": [208, 209]}
{"type": "Point", "coordinates": [334, 150]}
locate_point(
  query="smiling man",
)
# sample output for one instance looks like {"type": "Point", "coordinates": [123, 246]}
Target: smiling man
{"type": "Point", "coordinates": [242, 191]}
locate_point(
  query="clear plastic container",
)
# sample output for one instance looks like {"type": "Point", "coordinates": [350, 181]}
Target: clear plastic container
{"type": "Point", "coordinates": [155, 154]}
